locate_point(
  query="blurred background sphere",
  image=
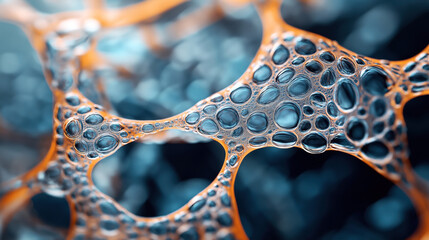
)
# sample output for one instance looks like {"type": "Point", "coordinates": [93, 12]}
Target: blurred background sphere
{"type": "Point", "coordinates": [281, 194]}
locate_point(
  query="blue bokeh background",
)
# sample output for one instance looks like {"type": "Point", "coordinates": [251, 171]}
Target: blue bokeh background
{"type": "Point", "coordinates": [281, 194]}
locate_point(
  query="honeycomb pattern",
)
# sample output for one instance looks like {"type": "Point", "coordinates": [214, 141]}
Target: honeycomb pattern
{"type": "Point", "coordinates": [301, 90]}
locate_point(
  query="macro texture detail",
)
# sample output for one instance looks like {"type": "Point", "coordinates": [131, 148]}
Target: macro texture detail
{"type": "Point", "coordinates": [301, 90]}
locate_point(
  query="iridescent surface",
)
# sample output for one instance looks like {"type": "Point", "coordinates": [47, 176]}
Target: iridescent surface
{"type": "Point", "coordinates": [110, 65]}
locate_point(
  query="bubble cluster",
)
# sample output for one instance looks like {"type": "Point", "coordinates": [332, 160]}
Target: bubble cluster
{"type": "Point", "coordinates": [302, 90]}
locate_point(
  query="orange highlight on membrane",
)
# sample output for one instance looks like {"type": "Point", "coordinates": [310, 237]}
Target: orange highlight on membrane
{"type": "Point", "coordinates": [301, 90]}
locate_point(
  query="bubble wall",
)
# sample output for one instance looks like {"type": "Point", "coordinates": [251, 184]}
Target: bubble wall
{"type": "Point", "coordinates": [130, 87]}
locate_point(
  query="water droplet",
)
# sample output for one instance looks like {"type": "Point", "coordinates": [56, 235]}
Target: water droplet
{"type": "Point", "coordinates": [190, 234]}
{"type": "Point", "coordinates": [59, 113]}
{"type": "Point", "coordinates": [327, 57]}
{"type": "Point", "coordinates": [227, 236]}
{"type": "Point", "coordinates": [83, 110]}
{"type": "Point", "coordinates": [81, 146]}
{"type": "Point", "coordinates": [158, 228]}
{"type": "Point", "coordinates": [262, 74]}
{"type": "Point", "coordinates": [109, 225]}
{"type": "Point", "coordinates": [378, 127]}
{"type": "Point", "coordinates": [211, 193]}
{"type": "Point", "coordinates": [322, 122]}
{"type": "Point", "coordinates": [285, 76]}
{"type": "Point", "coordinates": [92, 155]}
{"type": "Point", "coordinates": [211, 229]}
{"type": "Point", "coordinates": [239, 148]}
{"type": "Point", "coordinates": [307, 110]}
{"type": "Point", "coordinates": [106, 143]}
{"type": "Point", "coordinates": [391, 119]}
{"type": "Point", "coordinates": [346, 66]}
{"type": "Point", "coordinates": [227, 118]}
{"type": "Point", "coordinates": [315, 142]}
{"type": "Point", "coordinates": [59, 140]}
{"type": "Point", "coordinates": [72, 156]}
{"type": "Point", "coordinates": [299, 87]}
{"type": "Point", "coordinates": [318, 100]}
{"type": "Point", "coordinates": [268, 95]}
{"type": "Point", "coordinates": [237, 132]}
{"type": "Point", "coordinates": [233, 160]}
{"type": "Point", "coordinates": [332, 110]}
{"type": "Point", "coordinates": [356, 130]}
{"type": "Point", "coordinates": [216, 98]}
{"type": "Point", "coordinates": [73, 100]}
{"type": "Point", "coordinates": [73, 128]}
{"type": "Point", "coordinates": [89, 134]}
{"type": "Point", "coordinates": [410, 66]}
{"type": "Point", "coordinates": [297, 61]}
{"type": "Point", "coordinates": [116, 127]}
{"type": "Point", "coordinates": [197, 205]}
{"type": "Point", "coordinates": [304, 126]}
{"type": "Point", "coordinates": [390, 136]}
{"type": "Point", "coordinates": [328, 78]}
{"type": "Point", "coordinates": [225, 200]}
{"type": "Point", "coordinates": [284, 139]}
{"type": "Point", "coordinates": [209, 109]}
{"type": "Point", "coordinates": [360, 61]}
{"type": "Point", "coordinates": [398, 98]}
{"type": "Point", "coordinates": [314, 66]}
{"type": "Point", "coordinates": [208, 127]}
{"type": "Point", "coordinates": [52, 173]}
{"type": "Point", "coordinates": [280, 55]}
{"type": "Point", "coordinates": [94, 119]}
{"type": "Point", "coordinates": [224, 219]}
{"type": "Point", "coordinates": [340, 141]}
{"type": "Point", "coordinates": [374, 81]}
{"type": "Point", "coordinates": [378, 108]}
{"type": "Point", "coordinates": [257, 122]}
{"type": "Point", "coordinates": [147, 128]}
{"type": "Point", "coordinates": [192, 118]}
{"type": "Point", "coordinates": [108, 208]}
{"type": "Point", "coordinates": [59, 130]}
{"type": "Point", "coordinates": [376, 150]}
{"type": "Point", "coordinates": [418, 77]}
{"type": "Point", "coordinates": [287, 115]}
{"type": "Point", "coordinates": [258, 141]}
{"type": "Point", "coordinates": [305, 47]}
{"type": "Point", "coordinates": [241, 94]}
{"type": "Point", "coordinates": [346, 95]}
{"type": "Point", "coordinates": [340, 122]}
